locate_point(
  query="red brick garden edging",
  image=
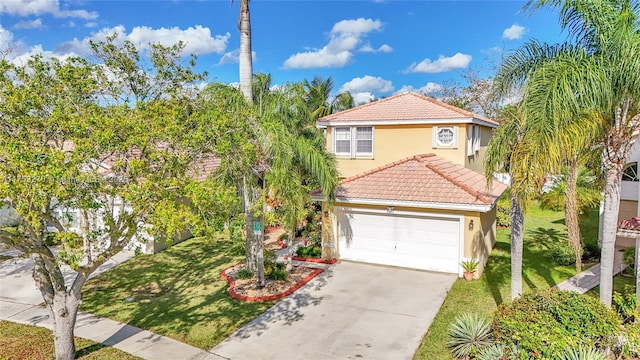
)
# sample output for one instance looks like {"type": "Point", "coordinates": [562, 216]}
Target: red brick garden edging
{"type": "Point", "coordinates": [314, 260]}
{"type": "Point", "coordinates": [286, 293]}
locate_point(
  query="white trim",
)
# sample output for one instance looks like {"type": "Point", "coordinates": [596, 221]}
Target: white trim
{"type": "Point", "coordinates": [323, 124]}
{"type": "Point", "coordinates": [355, 152]}
{"type": "Point", "coordinates": [415, 204]}
{"type": "Point", "coordinates": [419, 214]}
{"type": "Point", "coordinates": [335, 139]}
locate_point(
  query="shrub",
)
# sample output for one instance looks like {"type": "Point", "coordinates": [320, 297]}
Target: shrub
{"type": "Point", "coordinates": [503, 210]}
{"type": "Point", "coordinates": [591, 251]}
{"type": "Point", "coordinates": [469, 333]}
{"type": "Point", "coordinates": [244, 273]}
{"type": "Point", "coordinates": [284, 237]}
{"type": "Point", "coordinates": [562, 254]}
{"type": "Point", "coordinates": [278, 274]}
{"type": "Point", "coordinates": [626, 304]}
{"type": "Point", "coordinates": [631, 339]}
{"type": "Point", "coordinates": [550, 321]}
{"type": "Point", "coordinates": [629, 257]}
{"type": "Point", "coordinates": [583, 353]}
{"type": "Point", "coordinates": [271, 219]}
{"type": "Point", "coordinates": [309, 251]}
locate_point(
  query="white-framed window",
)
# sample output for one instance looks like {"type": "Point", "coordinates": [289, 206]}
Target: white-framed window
{"type": "Point", "coordinates": [445, 137]}
{"type": "Point", "coordinates": [353, 141]}
{"type": "Point", "coordinates": [342, 142]}
{"type": "Point", "coordinates": [476, 138]}
{"type": "Point", "coordinates": [630, 172]}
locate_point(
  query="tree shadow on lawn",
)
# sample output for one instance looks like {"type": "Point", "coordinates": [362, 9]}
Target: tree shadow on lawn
{"type": "Point", "coordinates": [188, 300]}
{"type": "Point", "coordinates": [535, 263]}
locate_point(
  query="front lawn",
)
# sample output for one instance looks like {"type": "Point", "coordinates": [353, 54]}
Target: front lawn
{"type": "Point", "coordinates": [19, 341]}
{"type": "Point", "coordinates": [542, 228]}
{"type": "Point", "coordinates": [177, 293]}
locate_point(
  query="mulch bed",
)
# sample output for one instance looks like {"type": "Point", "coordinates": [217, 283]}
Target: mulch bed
{"type": "Point", "coordinates": [246, 290]}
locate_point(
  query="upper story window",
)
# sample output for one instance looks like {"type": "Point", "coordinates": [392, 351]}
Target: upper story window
{"type": "Point", "coordinates": [445, 136]}
{"type": "Point", "coordinates": [630, 172]}
{"type": "Point", "coordinates": [353, 141]}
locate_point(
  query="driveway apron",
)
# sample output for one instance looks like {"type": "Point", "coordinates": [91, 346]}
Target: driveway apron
{"type": "Point", "coordinates": [351, 311]}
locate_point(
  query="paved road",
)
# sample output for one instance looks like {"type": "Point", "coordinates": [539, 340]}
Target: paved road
{"type": "Point", "coordinates": [351, 311]}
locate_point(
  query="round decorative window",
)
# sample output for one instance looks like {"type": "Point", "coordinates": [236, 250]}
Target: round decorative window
{"type": "Point", "coordinates": [445, 137]}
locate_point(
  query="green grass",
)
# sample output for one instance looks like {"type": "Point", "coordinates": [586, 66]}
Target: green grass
{"type": "Point", "coordinates": [177, 293]}
{"type": "Point", "coordinates": [19, 341]}
{"type": "Point", "coordinates": [542, 229]}
{"type": "Point", "coordinates": [619, 283]}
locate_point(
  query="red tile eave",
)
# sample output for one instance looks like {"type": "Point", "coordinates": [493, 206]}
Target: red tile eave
{"type": "Point", "coordinates": [460, 113]}
{"type": "Point", "coordinates": [438, 166]}
{"type": "Point", "coordinates": [629, 227]}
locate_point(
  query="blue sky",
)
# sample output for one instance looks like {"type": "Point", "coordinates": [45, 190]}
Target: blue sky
{"type": "Point", "coordinates": [371, 48]}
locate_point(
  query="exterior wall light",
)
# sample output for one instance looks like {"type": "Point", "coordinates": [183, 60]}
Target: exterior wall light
{"type": "Point", "coordinates": [471, 225]}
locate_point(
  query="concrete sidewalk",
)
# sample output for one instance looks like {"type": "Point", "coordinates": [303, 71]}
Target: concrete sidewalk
{"type": "Point", "coordinates": [590, 278]}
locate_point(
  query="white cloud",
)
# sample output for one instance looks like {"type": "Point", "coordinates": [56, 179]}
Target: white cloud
{"type": "Point", "coordinates": [39, 7]}
{"type": "Point", "coordinates": [198, 39]}
{"type": "Point", "coordinates": [344, 38]}
{"type": "Point", "coordinates": [428, 89]}
{"type": "Point", "coordinates": [367, 83]}
{"type": "Point", "coordinates": [457, 61]}
{"type": "Point", "coordinates": [91, 24]}
{"type": "Point", "coordinates": [233, 57]}
{"type": "Point", "coordinates": [33, 24]}
{"type": "Point", "coordinates": [6, 38]}
{"type": "Point", "coordinates": [362, 97]}
{"type": "Point", "coordinates": [513, 33]}
{"type": "Point", "coordinates": [383, 48]}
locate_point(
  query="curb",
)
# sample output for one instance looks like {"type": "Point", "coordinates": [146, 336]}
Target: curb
{"type": "Point", "coordinates": [286, 293]}
{"type": "Point", "coordinates": [313, 260]}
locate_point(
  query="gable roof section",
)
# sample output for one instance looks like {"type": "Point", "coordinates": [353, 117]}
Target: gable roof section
{"type": "Point", "coordinates": [404, 108]}
{"type": "Point", "coordinates": [426, 181]}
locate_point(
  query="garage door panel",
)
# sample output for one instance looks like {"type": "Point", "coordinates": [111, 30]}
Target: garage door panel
{"type": "Point", "coordinates": [407, 241]}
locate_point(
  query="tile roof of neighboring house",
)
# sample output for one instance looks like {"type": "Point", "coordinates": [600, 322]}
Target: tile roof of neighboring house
{"type": "Point", "coordinates": [402, 107]}
{"type": "Point", "coordinates": [630, 227]}
{"type": "Point", "coordinates": [421, 179]}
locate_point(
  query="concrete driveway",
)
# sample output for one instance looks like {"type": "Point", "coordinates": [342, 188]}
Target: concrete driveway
{"type": "Point", "coordinates": [351, 311]}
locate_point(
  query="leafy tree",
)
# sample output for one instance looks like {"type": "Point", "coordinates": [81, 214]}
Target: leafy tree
{"type": "Point", "coordinates": [594, 75]}
{"type": "Point", "coordinates": [117, 143]}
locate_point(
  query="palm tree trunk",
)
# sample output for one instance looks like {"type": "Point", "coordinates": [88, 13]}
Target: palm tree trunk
{"type": "Point", "coordinates": [571, 213]}
{"type": "Point", "coordinates": [517, 239]}
{"type": "Point", "coordinates": [246, 61]}
{"type": "Point", "coordinates": [613, 177]}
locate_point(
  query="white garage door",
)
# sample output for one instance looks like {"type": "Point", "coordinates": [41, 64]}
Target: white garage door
{"type": "Point", "coordinates": [426, 243]}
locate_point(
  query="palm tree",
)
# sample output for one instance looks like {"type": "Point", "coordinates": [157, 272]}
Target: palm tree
{"type": "Point", "coordinates": [246, 61]}
{"type": "Point", "coordinates": [317, 95]}
{"type": "Point", "coordinates": [594, 75]}
{"type": "Point", "coordinates": [508, 151]}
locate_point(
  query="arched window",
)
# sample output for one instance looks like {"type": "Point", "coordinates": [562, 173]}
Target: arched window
{"type": "Point", "coordinates": [630, 172]}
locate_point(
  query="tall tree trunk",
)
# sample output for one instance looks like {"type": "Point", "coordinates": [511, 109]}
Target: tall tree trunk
{"type": "Point", "coordinates": [63, 311]}
{"type": "Point", "coordinates": [246, 61]}
{"type": "Point", "coordinates": [517, 243]}
{"type": "Point", "coordinates": [62, 303]}
{"type": "Point", "coordinates": [613, 176]}
{"type": "Point", "coordinates": [250, 252]}
{"type": "Point", "coordinates": [290, 252]}
{"type": "Point", "coordinates": [571, 213]}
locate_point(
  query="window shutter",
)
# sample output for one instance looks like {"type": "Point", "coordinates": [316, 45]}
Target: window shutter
{"type": "Point", "coordinates": [434, 141]}
{"type": "Point", "coordinates": [470, 138]}
{"type": "Point", "coordinates": [455, 137]}
{"type": "Point", "coordinates": [477, 138]}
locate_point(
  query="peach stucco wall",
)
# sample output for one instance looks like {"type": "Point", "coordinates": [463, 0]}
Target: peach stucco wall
{"type": "Point", "coordinates": [396, 142]}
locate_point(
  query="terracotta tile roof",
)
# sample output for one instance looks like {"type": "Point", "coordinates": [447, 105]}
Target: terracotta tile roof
{"type": "Point", "coordinates": [629, 227]}
{"type": "Point", "coordinates": [405, 106]}
{"type": "Point", "coordinates": [421, 179]}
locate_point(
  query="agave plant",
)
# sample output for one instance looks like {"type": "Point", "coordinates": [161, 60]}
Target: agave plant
{"type": "Point", "coordinates": [469, 333]}
{"type": "Point", "coordinates": [583, 353]}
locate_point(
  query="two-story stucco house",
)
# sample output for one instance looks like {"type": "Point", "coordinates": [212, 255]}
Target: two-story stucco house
{"type": "Point", "coordinates": [412, 192]}
{"type": "Point", "coordinates": [629, 194]}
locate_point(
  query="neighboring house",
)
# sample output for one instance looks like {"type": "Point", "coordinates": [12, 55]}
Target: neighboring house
{"type": "Point", "coordinates": [629, 193]}
{"type": "Point", "coordinates": [413, 193]}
